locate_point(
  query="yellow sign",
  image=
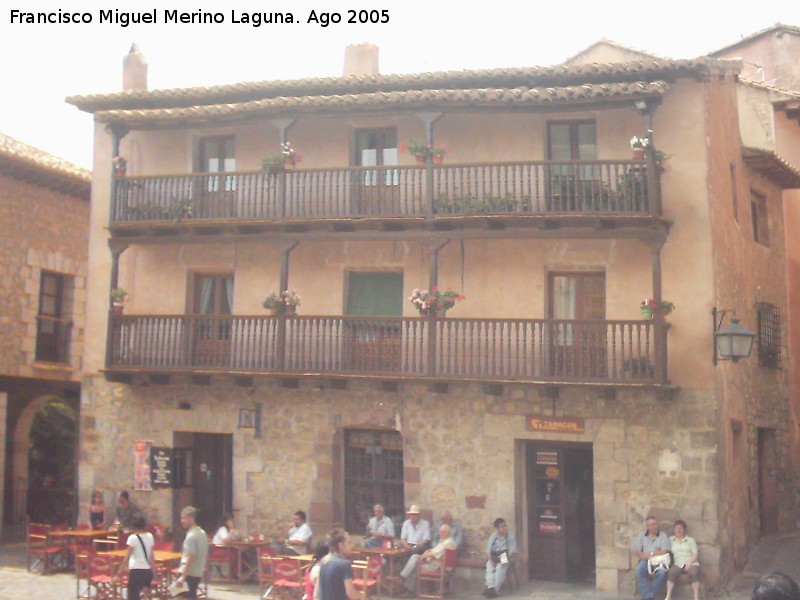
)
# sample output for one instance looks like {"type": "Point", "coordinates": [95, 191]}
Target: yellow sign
{"type": "Point", "coordinates": [554, 425]}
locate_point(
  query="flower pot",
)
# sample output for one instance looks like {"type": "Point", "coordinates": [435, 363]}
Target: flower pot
{"type": "Point", "coordinates": [118, 309]}
{"type": "Point", "coordinates": [420, 159]}
{"type": "Point", "coordinates": [290, 309]}
{"type": "Point", "coordinates": [638, 153]}
{"type": "Point", "coordinates": [120, 171]}
{"type": "Point", "coordinates": [438, 159]}
{"type": "Point", "coordinates": [647, 312]}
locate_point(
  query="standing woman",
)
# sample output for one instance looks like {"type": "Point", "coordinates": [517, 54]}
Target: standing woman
{"type": "Point", "coordinates": [139, 560]}
{"type": "Point", "coordinates": [97, 510]}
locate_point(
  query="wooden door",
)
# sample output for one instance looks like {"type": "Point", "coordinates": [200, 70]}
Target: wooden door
{"type": "Point", "coordinates": [561, 510]}
{"type": "Point", "coordinates": [767, 481]}
{"type": "Point", "coordinates": [373, 474]}
{"type": "Point", "coordinates": [216, 198]}
{"type": "Point", "coordinates": [212, 478]}
{"type": "Point", "coordinates": [377, 191]}
{"type": "Point", "coordinates": [577, 347]}
{"type": "Point", "coordinates": [374, 344]}
{"type": "Point", "coordinates": [212, 300]}
{"type": "Point", "coordinates": [571, 186]}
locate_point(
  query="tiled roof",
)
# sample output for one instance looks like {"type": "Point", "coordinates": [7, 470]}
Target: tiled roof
{"type": "Point", "coordinates": [32, 164]}
{"type": "Point", "coordinates": [749, 38]}
{"type": "Point", "coordinates": [607, 42]}
{"type": "Point", "coordinates": [646, 69]}
{"type": "Point", "coordinates": [410, 99]}
{"type": "Point", "coordinates": [782, 93]}
{"type": "Point", "coordinates": [772, 165]}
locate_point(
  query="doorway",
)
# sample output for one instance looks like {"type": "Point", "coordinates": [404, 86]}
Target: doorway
{"type": "Point", "coordinates": [767, 482]}
{"type": "Point", "coordinates": [560, 493]}
{"type": "Point", "coordinates": [203, 477]}
{"type": "Point", "coordinates": [374, 345]}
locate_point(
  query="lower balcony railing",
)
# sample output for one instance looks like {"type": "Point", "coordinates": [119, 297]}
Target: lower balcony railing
{"type": "Point", "coordinates": [546, 187]}
{"type": "Point", "coordinates": [476, 349]}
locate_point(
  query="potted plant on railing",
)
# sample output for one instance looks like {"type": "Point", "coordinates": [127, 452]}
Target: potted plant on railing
{"type": "Point", "coordinates": [417, 150]}
{"type": "Point", "coordinates": [650, 308]}
{"type": "Point", "coordinates": [434, 302]}
{"type": "Point", "coordinates": [120, 166]}
{"type": "Point", "coordinates": [282, 303]}
{"type": "Point", "coordinates": [438, 153]}
{"type": "Point", "coordinates": [639, 146]}
{"type": "Point", "coordinates": [276, 163]}
{"type": "Point", "coordinates": [118, 299]}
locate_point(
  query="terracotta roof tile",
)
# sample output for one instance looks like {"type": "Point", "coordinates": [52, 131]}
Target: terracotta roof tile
{"type": "Point", "coordinates": [32, 164]}
{"type": "Point", "coordinates": [772, 165]}
{"type": "Point", "coordinates": [397, 99]}
{"type": "Point", "coordinates": [748, 38]}
{"type": "Point", "coordinates": [780, 93]}
{"type": "Point", "coordinates": [508, 78]}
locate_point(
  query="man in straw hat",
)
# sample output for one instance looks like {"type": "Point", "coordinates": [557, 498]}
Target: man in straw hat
{"type": "Point", "coordinates": [416, 532]}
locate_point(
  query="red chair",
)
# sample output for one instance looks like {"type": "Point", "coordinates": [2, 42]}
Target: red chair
{"type": "Point", "coordinates": [264, 557]}
{"type": "Point", "coordinates": [371, 579]}
{"type": "Point", "coordinates": [165, 546]}
{"type": "Point", "coordinates": [41, 549]}
{"type": "Point", "coordinates": [222, 559]}
{"type": "Point", "coordinates": [158, 530]}
{"type": "Point", "coordinates": [101, 577]}
{"type": "Point", "coordinates": [287, 576]}
{"type": "Point", "coordinates": [82, 573]}
{"type": "Point", "coordinates": [439, 580]}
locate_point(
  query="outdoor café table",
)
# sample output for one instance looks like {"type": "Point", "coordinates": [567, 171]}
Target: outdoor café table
{"type": "Point", "coordinates": [394, 557]}
{"type": "Point", "coordinates": [248, 558]}
{"type": "Point", "coordinates": [77, 537]}
{"type": "Point", "coordinates": [161, 556]}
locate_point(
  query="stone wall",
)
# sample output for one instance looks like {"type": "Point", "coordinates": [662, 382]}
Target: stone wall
{"type": "Point", "coordinates": [43, 230]}
{"type": "Point", "coordinates": [652, 453]}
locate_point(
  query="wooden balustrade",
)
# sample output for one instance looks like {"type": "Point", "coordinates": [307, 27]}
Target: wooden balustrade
{"type": "Point", "coordinates": [544, 187]}
{"type": "Point", "coordinates": [476, 349]}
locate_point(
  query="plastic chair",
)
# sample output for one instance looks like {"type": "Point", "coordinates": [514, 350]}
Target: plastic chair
{"type": "Point", "coordinates": [438, 579]}
{"type": "Point", "coordinates": [101, 577]}
{"type": "Point", "coordinates": [264, 557]}
{"type": "Point", "coordinates": [287, 575]}
{"type": "Point", "coordinates": [223, 560]}
{"type": "Point", "coordinates": [42, 549]}
{"type": "Point", "coordinates": [371, 579]}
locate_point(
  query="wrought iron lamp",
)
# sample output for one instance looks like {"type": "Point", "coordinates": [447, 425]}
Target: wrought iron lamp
{"type": "Point", "coordinates": [733, 341]}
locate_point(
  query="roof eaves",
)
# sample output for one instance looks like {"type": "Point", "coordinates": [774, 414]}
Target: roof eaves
{"type": "Point", "coordinates": [791, 29]}
{"type": "Point", "coordinates": [770, 164]}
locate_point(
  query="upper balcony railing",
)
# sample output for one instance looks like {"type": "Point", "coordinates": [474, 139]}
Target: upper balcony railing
{"type": "Point", "coordinates": [525, 350]}
{"type": "Point", "coordinates": [512, 188]}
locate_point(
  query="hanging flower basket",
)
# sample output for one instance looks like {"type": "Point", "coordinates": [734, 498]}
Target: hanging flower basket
{"type": "Point", "coordinates": [434, 302]}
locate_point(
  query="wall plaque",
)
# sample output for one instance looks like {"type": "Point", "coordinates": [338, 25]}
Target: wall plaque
{"type": "Point", "coordinates": [554, 425]}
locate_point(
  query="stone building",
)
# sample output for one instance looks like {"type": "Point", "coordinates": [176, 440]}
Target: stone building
{"type": "Point", "coordinates": [546, 396]}
{"type": "Point", "coordinates": [44, 217]}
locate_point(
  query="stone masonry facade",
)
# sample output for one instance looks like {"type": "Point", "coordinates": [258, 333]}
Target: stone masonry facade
{"type": "Point", "coordinates": [654, 453]}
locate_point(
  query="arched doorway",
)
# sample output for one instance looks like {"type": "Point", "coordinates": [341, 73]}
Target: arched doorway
{"type": "Point", "coordinates": [44, 450]}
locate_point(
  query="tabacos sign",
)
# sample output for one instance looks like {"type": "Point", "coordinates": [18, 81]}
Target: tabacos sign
{"type": "Point", "coordinates": [554, 425]}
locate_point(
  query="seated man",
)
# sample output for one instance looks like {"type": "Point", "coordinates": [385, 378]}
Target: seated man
{"type": "Point", "coordinates": [456, 530]}
{"type": "Point", "coordinates": [380, 525]}
{"type": "Point", "coordinates": [127, 512]}
{"type": "Point", "coordinates": [416, 532]}
{"type": "Point", "coordinates": [430, 560]}
{"type": "Point", "coordinates": [299, 536]}
{"type": "Point", "coordinates": [684, 556]}
{"type": "Point", "coordinates": [501, 547]}
{"type": "Point", "coordinates": [651, 542]}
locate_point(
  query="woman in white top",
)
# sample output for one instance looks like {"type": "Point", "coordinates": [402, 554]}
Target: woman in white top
{"type": "Point", "coordinates": [139, 561]}
{"type": "Point", "coordinates": [226, 533]}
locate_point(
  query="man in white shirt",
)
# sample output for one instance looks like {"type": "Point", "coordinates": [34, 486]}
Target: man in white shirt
{"type": "Point", "coordinates": [299, 535]}
{"type": "Point", "coordinates": [379, 526]}
{"type": "Point", "coordinates": [416, 532]}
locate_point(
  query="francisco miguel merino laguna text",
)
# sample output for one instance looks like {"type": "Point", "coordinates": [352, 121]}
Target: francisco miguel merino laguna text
{"type": "Point", "coordinates": [198, 17]}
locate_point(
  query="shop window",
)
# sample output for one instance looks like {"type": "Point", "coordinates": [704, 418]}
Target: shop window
{"type": "Point", "coordinates": [769, 335]}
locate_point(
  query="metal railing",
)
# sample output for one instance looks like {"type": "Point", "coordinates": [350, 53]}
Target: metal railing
{"type": "Point", "coordinates": [475, 349]}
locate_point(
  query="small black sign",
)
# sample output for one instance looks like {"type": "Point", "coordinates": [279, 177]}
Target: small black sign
{"type": "Point", "coordinates": [161, 467]}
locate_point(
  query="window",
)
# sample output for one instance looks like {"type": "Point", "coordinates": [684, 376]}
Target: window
{"type": "Point", "coordinates": [769, 335]}
{"type": "Point", "coordinates": [218, 155]}
{"type": "Point", "coordinates": [760, 218]}
{"type": "Point", "coordinates": [572, 140]}
{"type": "Point", "coordinates": [212, 305]}
{"type": "Point", "coordinates": [377, 147]}
{"type": "Point", "coordinates": [53, 329]}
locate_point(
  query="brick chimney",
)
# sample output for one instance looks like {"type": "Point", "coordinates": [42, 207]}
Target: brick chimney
{"type": "Point", "coordinates": [134, 70]}
{"type": "Point", "coordinates": [361, 59]}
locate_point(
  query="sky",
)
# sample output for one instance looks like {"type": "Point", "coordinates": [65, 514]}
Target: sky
{"type": "Point", "coordinates": [44, 63]}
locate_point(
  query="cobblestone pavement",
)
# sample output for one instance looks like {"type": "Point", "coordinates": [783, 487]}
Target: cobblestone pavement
{"type": "Point", "coordinates": [772, 554]}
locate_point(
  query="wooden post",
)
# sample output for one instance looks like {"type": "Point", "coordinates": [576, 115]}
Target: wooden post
{"type": "Point", "coordinates": [280, 342]}
{"type": "Point", "coordinates": [659, 326]}
{"type": "Point", "coordinates": [434, 246]}
{"type": "Point", "coordinates": [116, 252]}
{"type": "Point", "coordinates": [283, 129]}
{"type": "Point", "coordinates": [653, 180]}
{"type": "Point", "coordinates": [428, 119]}
{"type": "Point", "coordinates": [117, 133]}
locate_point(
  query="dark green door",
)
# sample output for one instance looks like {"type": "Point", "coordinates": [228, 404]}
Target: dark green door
{"type": "Point", "coordinates": [374, 342]}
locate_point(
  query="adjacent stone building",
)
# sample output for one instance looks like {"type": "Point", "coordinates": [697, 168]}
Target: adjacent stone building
{"type": "Point", "coordinates": [546, 396]}
{"type": "Point", "coordinates": [44, 217]}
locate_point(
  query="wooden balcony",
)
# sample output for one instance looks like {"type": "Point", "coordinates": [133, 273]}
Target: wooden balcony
{"type": "Point", "coordinates": [402, 196]}
{"type": "Point", "coordinates": [440, 349]}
